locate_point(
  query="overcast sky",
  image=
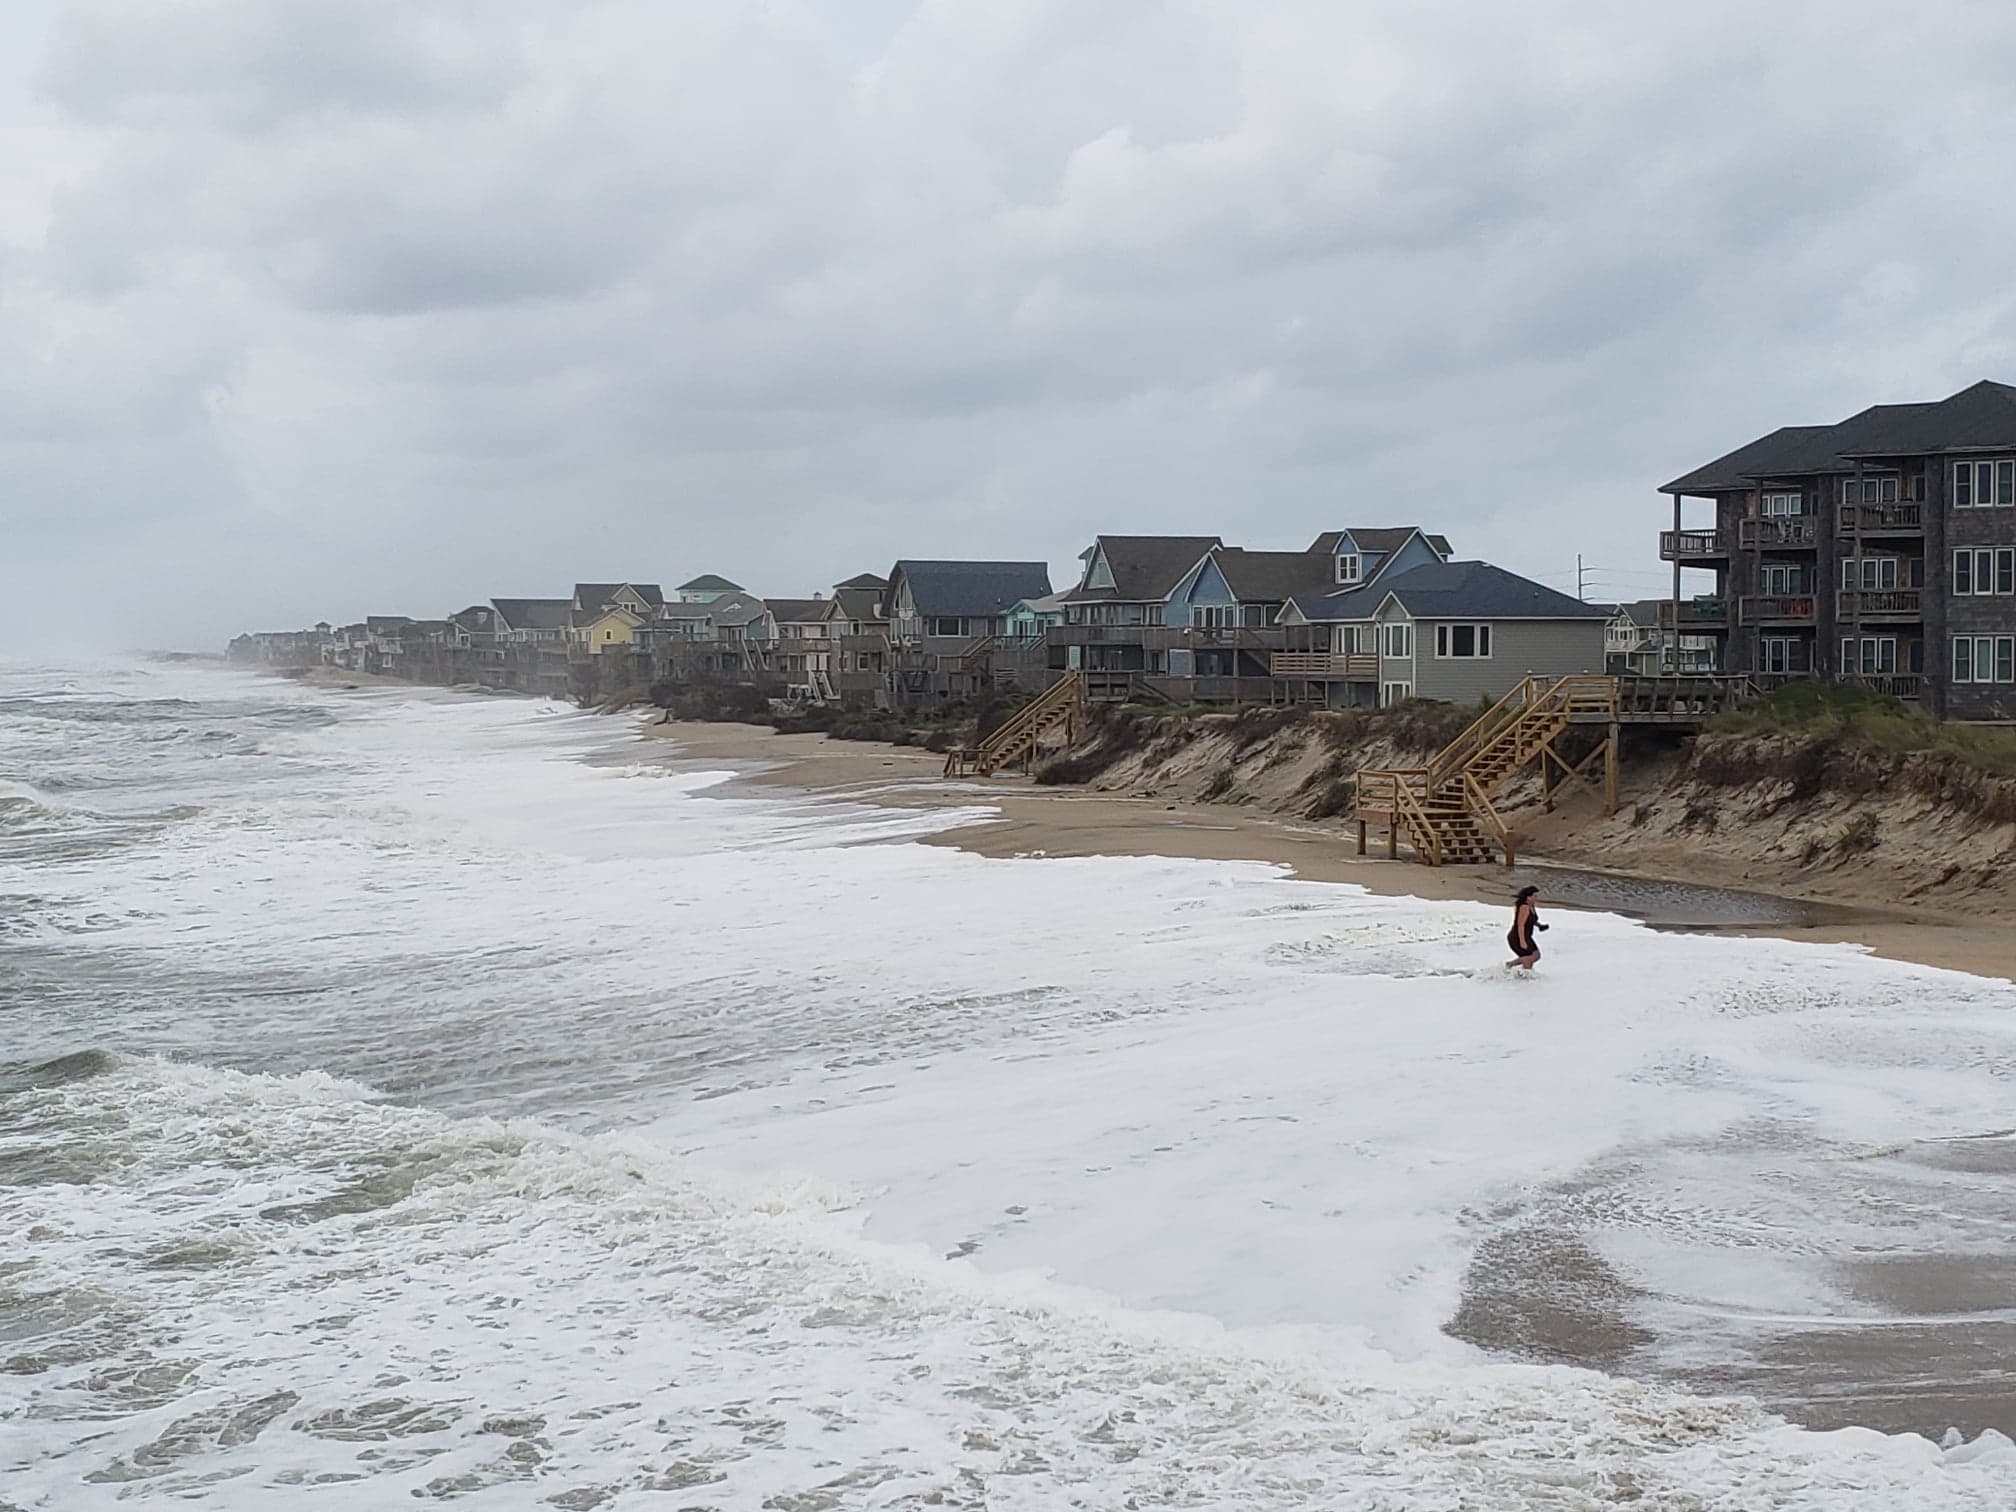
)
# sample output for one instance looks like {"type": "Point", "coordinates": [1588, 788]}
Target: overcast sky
{"type": "Point", "coordinates": [310, 308]}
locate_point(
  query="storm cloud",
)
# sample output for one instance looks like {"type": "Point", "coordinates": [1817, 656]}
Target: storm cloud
{"type": "Point", "coordinates": [313, 308]}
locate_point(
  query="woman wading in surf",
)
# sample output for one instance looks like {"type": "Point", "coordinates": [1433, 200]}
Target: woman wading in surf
{"type": "Point", "coordinates": [1525, 920]}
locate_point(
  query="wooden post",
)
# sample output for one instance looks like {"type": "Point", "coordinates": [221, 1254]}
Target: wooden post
{"type": "Point", "coordinates": [1393, 838]}
{"type": "Point", "coordinates": [1610, 772]}
{"type": "Point", "coordinates": [1361, 837]}
{"type": "Point", "coordinates": [1674, 645]}
{"type": "Point", "coordinates": [1547, 778]}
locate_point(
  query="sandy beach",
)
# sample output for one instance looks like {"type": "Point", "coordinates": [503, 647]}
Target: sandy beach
{"type": "Point", "coordinates": [1063, 821]}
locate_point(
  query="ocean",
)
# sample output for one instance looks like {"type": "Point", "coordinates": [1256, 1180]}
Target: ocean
{"type": "Point", "coordinates": [415, 1095]}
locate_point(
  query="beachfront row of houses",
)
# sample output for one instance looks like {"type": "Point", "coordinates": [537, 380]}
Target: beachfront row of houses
{"type": "Point", "coordinates": [1360, 616]}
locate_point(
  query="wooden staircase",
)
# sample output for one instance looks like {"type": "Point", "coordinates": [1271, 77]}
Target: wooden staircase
{"type": "Point", "coordinates": [1017, 739]}
{"type": "Point", "coordinates": [1444, 809]}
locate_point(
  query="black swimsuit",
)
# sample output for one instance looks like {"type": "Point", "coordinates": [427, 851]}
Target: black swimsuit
{"type": "Point", "coordinates": [1525, 946]}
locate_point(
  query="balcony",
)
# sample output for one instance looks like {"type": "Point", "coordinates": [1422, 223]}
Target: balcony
{"type": "Point", "coordinates": [1776, 609]}
{"type": "Point", "coordinates": [1779, 533]}
{"type": "Point", "coordinates": [1701, 614]}
{"type": "Point", "coordinates": [1905, 685]}
{"type": "Point", "coordinates": [1099, 635]}
{"type": "Point", "coordinates": [1861, 605]}
{"type": "Point", "coordinates": [1330, 666]}
{"type": "Point", "coordinates": [1907, 519]}
{"type": "Point", "coordinates": [1208, 638]}
{"type": "Point", "coordinates": [1692, 546]}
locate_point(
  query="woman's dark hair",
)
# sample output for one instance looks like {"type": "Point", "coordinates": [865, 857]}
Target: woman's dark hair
{"type": "Point", "coordinates": [1524, 894]}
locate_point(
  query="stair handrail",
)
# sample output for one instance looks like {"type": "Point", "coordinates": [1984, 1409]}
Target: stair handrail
{"type": "Point", "coordinates": [1458, 753]}
{"type": "Point", "coordinates": [1423, 834]}
{"type": "Point", "coordinates": [1060, 693]}
{"type": "Point", "coordinates": [1480, 805]}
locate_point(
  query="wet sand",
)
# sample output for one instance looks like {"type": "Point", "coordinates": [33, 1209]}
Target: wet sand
{"type": "Point", "coordinates": [1063, 821]}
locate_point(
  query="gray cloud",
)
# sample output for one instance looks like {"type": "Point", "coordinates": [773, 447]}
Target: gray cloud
{"type": "Point", "coordinates": [311, 308]}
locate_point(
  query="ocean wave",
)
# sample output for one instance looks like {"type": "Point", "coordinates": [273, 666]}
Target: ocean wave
{"type": "Point", "coordinates": [253, 1283]}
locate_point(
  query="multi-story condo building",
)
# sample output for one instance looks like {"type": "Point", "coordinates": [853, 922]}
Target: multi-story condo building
{"type": "Point", "coordinates": [1880, 550]}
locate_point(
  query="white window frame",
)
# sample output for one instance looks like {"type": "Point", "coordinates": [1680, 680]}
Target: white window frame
{"type": "Point", "coordinates": [1780, 504]}
{"type": "Point", "coordinates": [1784, 574]}
{"type": "Point", "coordinates": [1394, 692]}
{"type": "Point", "coordinates": [1872, 488]}
{"type": "Point", "coordinates": [1350, 568]}
{"type": "Point", "coordinates": [1874, 656]}
{"type": "Point", "coordinates": [1398, 640]}
{"type": "Point", "coordinates": [1984, 483]}
{"type": "Point", "coordinates": [1214, 616]}
{"type": "Point", "coordinates": [1988, 658]}
{"type": "Point", "coordinates": [1445, 642]}
{"type": "Point", "coordinates": [1778, 648]}
{"type": "Point", "coordinates": [2005, 569]}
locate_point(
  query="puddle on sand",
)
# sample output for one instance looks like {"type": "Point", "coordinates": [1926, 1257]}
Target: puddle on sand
{"type": "Point", "coordinates": [1678, 905]}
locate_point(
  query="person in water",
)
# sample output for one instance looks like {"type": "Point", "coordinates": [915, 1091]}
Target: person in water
{"type": "Point", "coordinates": [1525, 921]}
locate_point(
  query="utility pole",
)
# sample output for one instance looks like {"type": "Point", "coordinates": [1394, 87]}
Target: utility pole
{"type": "Point", "coordinates": [1581, 591]}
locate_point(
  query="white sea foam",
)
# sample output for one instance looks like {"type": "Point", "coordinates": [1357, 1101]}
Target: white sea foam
{"type": "Point", "coordinates": [637, 1122]}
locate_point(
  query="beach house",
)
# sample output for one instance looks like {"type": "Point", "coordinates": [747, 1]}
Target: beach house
{"type": "Point", "coordinates": [1879, 550]}
{"type": "Point", "coordinates": [943, 618]}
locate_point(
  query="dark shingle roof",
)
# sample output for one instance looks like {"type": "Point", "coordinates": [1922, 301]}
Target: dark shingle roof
{"type": "Point", "coordinates": [972, 589]}
{"type": "Point", "coordinates": [534, 614]}
{"type": "Point", "coordinates": [863, 580]}
{"type": "Point", "coordinates": [1272, 577]}
{"type": "Point", "coordinates": [1454, 590]}
{"type": "Point", "coordinates": [737, 608]}
{"type": "Point", "coordinates": [710, 582]}
{"type": "Point", "coordinates": [679, 611]}
{"type": "Point", "coordinates": [1983, 415]}
{"type": "Point", "coordinates": [796, 611]}
{"type": "Point", "coordinates": [1384, 539]}
{"type": "Point", "coordinates": [581, 619]}
{"type": "Point", "coordinates": [1146, 569]}
{"type": "Point", "coordinates": [384, 624]}
{"type": "Point", "coordinates": [858, 602]}
{"type": "Point", "coordinates": [595, 595]}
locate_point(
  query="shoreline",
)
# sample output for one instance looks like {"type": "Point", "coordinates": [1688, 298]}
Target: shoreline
{"type": "Point", "coordinates": [1071, 822]}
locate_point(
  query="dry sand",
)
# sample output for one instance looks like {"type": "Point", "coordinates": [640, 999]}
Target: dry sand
{"type": "Point", "coordinates": [1065, 821]}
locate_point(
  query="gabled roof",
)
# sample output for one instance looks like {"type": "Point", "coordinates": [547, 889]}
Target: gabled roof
{"type": "Point", "coordinates": [475, 617]}
{"type": "Point", "coordinates": [1384, 539]}
{"type": "Point", "coordinates": [863, 580]}
{"type": "Point", "coordinates": [1453, 590]}
{"type": "Point", "coordinates": [709, 582]}
{"type": "Point", "coordinates": [682, 611]}
{"type": "Point", "coordinates": [1272, 577]}
{"type": "Point", "coordinates": [737, 608]}
{"type": "Point", "coordinates": [534, 614]}
{"type": "Point", "coordinates": [581, 619]}
{"type": "Point", "coordinates": [384, 624]}
{"type": "Point", "coordinates": [1146, 569]}
{"type": "Point", "coordinates": [1979, 417]}
{"type": "Point", "coordinates": [796, 611]}
{"type": "Point", "coordinates": [970, 590]}
{"type": "Point", "coordinates": [857, 601]}
{"type": "Point", "coordinates": [596, 595]}
{"type": "Point", "coordinates": [1049, 603]}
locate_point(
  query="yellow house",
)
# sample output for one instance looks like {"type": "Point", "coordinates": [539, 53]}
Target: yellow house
{"type": "Point", "coordinates": [606, 629]}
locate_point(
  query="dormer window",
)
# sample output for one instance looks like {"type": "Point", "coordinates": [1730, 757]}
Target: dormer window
{"type": "Point", "coordinates": [1348, 569]}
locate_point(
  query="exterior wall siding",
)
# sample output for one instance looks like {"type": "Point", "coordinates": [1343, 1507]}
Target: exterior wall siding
{"type": "Point", "coordinates": [1519, 648]}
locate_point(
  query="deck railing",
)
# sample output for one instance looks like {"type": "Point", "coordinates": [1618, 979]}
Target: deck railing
{"type": "Point", "coordinates": [1894, 603]}
{"type": "Point", "coordinates": [1767, 608]}
{"type": "Point", "coordinates": [1688, 545]}
{"type": "Point", "coordinates": [1348, 666]}
{"type": "Point", "coordinates": [1779, 530]}
{"type": "Point", "coordinates": [1881, 519]}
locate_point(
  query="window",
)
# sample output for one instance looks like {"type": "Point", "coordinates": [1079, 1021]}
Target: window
{"type": "Point", "coordinates": [1463, 640]}
{"type": "Point", "coordinates": [1348, 569]}
{"type": "Point", "coordinates": [1395, 692]}
{"type": "Point", "coordinates": [1871, 574]}
{"type": "Point", "coordinates": [1982, 570]}
{"type": "Point", "coordinates": [1984, 484]}
{"type": "Point", "coordinates": [2005, 570]}
{"type": "Point", "coordinates": [1214, 616]}
{"type": "Point", "coordinates": [1777, 504]}
{"type": "Point", "coordinates": [1866, 490]}
{"type": "Point", "coordinates": [1400, 640]}
{"type": "Point", "coordinates": [1781, 578]}
{"type": "Point", "coordinates": [947, 627]}
{"type": "Point", "coordinates": [1782, 654]}
{"type": "Point", "coordinates": [1873, 656]}
{"type": "Point", "coordinates": [1984, 658]}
